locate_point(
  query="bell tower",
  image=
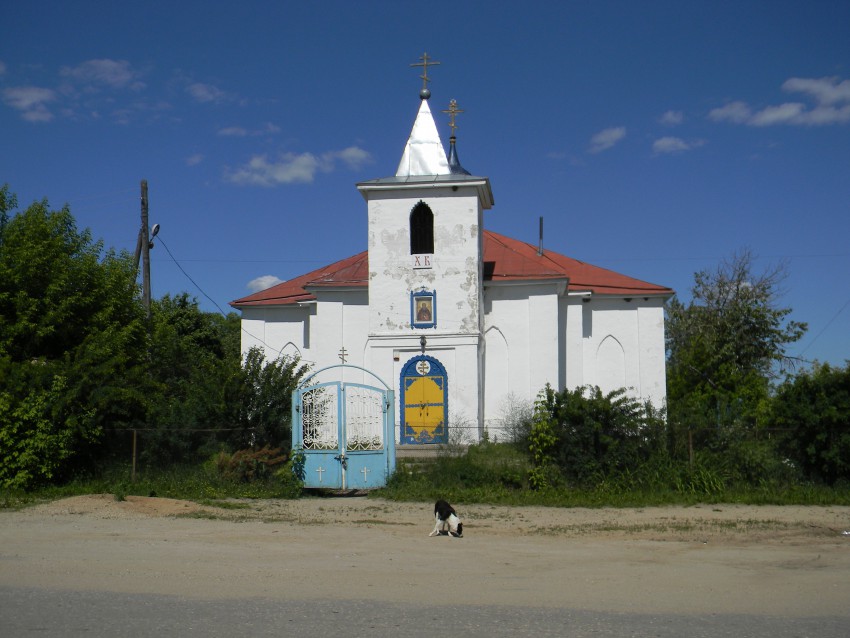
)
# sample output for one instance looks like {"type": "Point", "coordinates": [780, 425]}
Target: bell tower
{"type": "Point", "coordinates": [425, 245]}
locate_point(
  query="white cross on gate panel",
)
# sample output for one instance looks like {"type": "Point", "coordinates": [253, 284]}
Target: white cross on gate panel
{"type": "Point", "coordinates": [365, 471]}
{"type": "Point", "coordinates": [321, 471]}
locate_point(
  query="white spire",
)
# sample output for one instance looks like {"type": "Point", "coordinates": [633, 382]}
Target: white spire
{"type": "Point", "coordinates": [424, 153]}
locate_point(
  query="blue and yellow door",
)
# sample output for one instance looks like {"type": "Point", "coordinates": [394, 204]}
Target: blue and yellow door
{"type": "Point", "coordinates": [424, 400]}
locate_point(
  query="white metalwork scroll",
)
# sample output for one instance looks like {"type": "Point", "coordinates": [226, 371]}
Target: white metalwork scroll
{"type": "Point", "coordinates": [364, 418]}
{"type": "Point", "coordinates": [320, 418]}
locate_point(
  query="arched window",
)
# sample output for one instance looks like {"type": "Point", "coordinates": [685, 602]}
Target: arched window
{"type": "Point", "coordinates": [421, 230]}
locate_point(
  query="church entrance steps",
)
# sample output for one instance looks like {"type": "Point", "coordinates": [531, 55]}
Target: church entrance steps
{"type": "Point", "coordinates": [410, 452]}
{"type": "Point", "coordinates": [428, 451]}
{"type": "Point", "coordinates": [413, 459]}
{"type": "Point", "coordinates": [414, 465]}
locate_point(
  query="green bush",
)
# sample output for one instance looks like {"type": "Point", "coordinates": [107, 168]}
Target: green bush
{"type": "Point", "coordinates": [813, 410]}
{"type": "Point", "coordinates": [589, 435]}
{"type": "Point", "coordinates": [249, 465]}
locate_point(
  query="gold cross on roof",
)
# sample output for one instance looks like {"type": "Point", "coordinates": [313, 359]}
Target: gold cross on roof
{"type": "Point", "coordinates": [426, 61]}
{"type": "Point", "coordinates": [453, 110]}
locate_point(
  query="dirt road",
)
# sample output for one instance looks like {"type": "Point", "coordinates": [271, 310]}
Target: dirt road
{"type": "Point", "coordinates": [726, 559]}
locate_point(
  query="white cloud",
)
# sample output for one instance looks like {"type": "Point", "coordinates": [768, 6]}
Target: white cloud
{"type": "Point", "coordinates": [828, 115]}
{"type": "Point", "coordinates": [31, 101]}
{"type": "Point", "coordinates": [115, 74]}
{"type": "Point", "coordinates": [206, 92]}
{"type": "Point", "coordinates": [352, 156]}
{"type": "Point", "coordinates": [824, 90]}
{"type": "Point", "coordinates": [782, 114]}
{"type": "Point", "coordinates": [737, 112]}
{"type": "Point", "coordinates": [831, 95]}
{"type": "Point", "coordinates": [293, 168]}
{"type": "Point", "coordinates": [194, 160]}
{"type": "Point", "coordinates": [239, 131]}
{"type": "Point", "coordinates": [607, 138]}
{"type": "Point", "coordinates": [233, 131]}
{"type": "Point", "coordinates": [672, 118]}
{"type": "Point", "coordinates": [674, 145]}
{"type": "Point", "coordinates": [289, 169]}
{"type": "Point", "coordinates": [261, 283]}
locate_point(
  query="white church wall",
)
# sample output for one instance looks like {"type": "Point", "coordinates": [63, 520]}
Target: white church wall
{"type": "Point", "coordinates": [623, 346]}
{"type": "Point", "coordinates": [340, 321]}
{"type": "Point", "coordinates": [506, 309]}
{"type": "Point", "coordinates": [574, 340]}
{"type": "Point", "coordinates": [326, 332]}
{"type": "Point", "coordinates": [544, 342]}
{"type": "Point", "coordinates": [653, 364]}
{"type": "Point", "coordinates": [527, 316]}
{"type": "Point", "coordinates": [497, 363]}
{"type": "Point", "coordinates": [277, 330]}
{"type": "Point", "coordinates": [617, 319]}
{"type": "Point", "coordinates": [523, 346]}
{"type": "Point", "coordinates": [253, 329]}
{"type": "Point", "coordinates": [455, 263]}
{"type": "Point", "coordinates": [465, 420]}
{"type": "Point", "coordinates": [611, 365]}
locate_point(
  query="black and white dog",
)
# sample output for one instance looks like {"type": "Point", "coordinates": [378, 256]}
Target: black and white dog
{"type": "Point", "coordinates": [446, 520]}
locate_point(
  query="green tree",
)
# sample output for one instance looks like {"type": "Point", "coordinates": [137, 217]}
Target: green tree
{"type": "Point", "coordinates": [813, 409]}
{"type": "Point", "coordinates": [207, 395]}
{"type": "Point", "coordinates": [194, 366]}
{"type": "Point", "coordinates": [78, 369]}
{"type": "Point", "coordinates": [71, 339]}
{"type": "Point", "coordinates": [725, 345]}
{"type": "Point", "coordinates": [265, 408]}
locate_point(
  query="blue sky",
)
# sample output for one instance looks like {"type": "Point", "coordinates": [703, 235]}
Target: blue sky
{"type": "Point", "coordinates": [655, 138]}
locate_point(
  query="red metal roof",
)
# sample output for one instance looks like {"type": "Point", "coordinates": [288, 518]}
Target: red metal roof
{"type": "Point", "coordinates": [505, 259]}
{"type": "Point", "coordinates": [352, 272]}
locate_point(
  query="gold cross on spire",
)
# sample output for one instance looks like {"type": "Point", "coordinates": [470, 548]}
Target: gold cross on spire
{"type": "Point", "coordinates": [453, 110]}
{"type": "Point", "coordinates": [425, 93]}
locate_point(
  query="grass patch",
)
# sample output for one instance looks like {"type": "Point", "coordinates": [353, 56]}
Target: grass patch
{"type": "Point", "coordinates": [199, 483]}
{"type": "Point", "coordinates": [487, 473]}
{"type": "Point", "coordinates": [224, 505]}
{"type": "Point", "coordinates": [498, 474]}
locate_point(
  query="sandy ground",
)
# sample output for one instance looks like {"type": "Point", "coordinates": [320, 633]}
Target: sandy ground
{"type": "Point", "coordinates": [779, 561]}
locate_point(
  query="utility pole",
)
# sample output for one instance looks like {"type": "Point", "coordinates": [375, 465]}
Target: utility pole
{"type": "Point", "coordinates": [146, 254]}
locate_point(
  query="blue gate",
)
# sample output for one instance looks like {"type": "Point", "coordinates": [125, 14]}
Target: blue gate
{"type": "Point", "coordinates": [346, 432]}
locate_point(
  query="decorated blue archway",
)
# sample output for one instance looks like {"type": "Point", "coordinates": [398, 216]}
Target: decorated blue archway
{"type": "Point", "coordinates": [345, 431]}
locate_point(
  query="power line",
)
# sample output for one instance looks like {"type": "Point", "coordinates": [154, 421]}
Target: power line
{"type": "Point", "coordinates": [828, 324]}
{"type": "Point", "coordinates": [215, 303]}
{"type": "Point", "coordinates": [195, 283]}
{"type": "Point", "coordinates": [591, 259]}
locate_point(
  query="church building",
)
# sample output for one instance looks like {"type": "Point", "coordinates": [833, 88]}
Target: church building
{"type": "Point", "coordinates": [457, 319]}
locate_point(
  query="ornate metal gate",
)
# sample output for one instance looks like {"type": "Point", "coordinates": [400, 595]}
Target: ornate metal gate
{"type": "Point", "coordinates": [345, 431]}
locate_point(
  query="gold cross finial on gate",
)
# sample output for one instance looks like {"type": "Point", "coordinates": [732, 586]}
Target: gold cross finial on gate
{"type": "Point", "coordinates": [453, 110]}
{"type": "Point", "coordinates": [425, 93]}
